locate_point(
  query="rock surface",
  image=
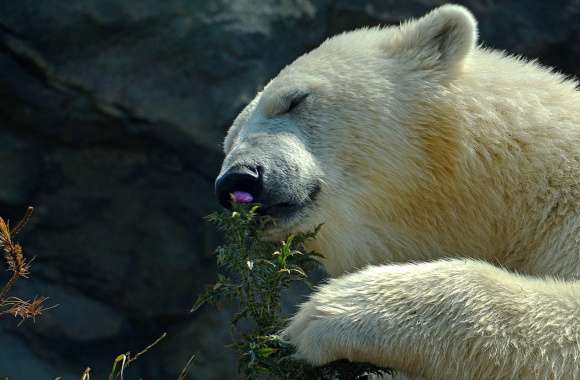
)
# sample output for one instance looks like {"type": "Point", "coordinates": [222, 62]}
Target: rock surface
{"type": "Point", "coordinates": [111, 118]}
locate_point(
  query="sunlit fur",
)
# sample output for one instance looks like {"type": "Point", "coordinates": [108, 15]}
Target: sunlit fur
{"type": "Point", "coordinates": [459, 163]}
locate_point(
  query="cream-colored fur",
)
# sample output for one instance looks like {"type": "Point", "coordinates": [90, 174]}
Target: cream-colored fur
{"type": "Point", "coordinates": [450, 192]}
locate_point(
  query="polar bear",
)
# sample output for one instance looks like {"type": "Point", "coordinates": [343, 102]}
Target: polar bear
{"type": "Point", "coordinates": [447, 177]}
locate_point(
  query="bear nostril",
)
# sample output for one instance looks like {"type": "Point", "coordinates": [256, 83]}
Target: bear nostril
{"type": "Point", "coordinates": [240, 184]}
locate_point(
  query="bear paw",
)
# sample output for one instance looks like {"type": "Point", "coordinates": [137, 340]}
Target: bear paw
{"type": "Point", "coordinates": [314, 334]}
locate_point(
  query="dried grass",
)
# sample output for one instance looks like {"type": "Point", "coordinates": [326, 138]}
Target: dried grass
{"type": "Point", "coordinates": [19, 266]}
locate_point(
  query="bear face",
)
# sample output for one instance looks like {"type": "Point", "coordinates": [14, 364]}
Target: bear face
{"type": "Point", "coordinates": [310, 139]}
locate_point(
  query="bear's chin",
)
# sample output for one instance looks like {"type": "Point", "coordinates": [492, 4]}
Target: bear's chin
{"type": "Point", "coordinates": [282, 225]}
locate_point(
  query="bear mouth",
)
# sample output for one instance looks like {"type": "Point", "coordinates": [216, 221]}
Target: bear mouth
{"type": "Point", "coordinates": [285, 213]}
{"type": "Point", "coordinates": [282, 209]}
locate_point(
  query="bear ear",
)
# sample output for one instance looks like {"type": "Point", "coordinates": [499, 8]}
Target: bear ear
{"type": "Point", "coordinates": [442, 38]}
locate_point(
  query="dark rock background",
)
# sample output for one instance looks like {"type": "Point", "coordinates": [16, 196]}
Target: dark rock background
{"type": "Point", "coordinates": [111, 118]}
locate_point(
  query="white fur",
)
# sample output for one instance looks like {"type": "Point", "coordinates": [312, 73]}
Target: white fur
{"type": "Point", "coordinates": [449, 319]}
{"type": "Point", "coordinates": [459, 159]}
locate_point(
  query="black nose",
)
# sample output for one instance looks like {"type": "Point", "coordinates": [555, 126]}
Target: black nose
{"type": "Point", "coordinates": [238, 178]}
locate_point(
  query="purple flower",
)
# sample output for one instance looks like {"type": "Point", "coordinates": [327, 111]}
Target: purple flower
{"type": "Point", "coordinates": [241, 197]}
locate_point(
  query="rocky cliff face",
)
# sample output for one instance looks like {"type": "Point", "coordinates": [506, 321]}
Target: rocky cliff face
{"type": "Point", "coordinates": [111, 118]}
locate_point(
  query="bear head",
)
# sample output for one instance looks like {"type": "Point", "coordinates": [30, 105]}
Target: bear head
{"type": "Point", "coordinates": [342, 129]}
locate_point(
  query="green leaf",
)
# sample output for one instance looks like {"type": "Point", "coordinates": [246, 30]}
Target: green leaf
{"type": "Point", "coordinates": [266, 351]}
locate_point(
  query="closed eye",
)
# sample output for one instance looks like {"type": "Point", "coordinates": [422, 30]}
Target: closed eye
{"type": "Point", "coordinates": [295, 102]}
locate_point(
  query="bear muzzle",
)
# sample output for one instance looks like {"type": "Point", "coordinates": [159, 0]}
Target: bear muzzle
{"type": "Point", "coordinates": [246, 184]}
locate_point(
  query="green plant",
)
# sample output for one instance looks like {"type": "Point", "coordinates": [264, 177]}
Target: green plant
{"type": "Point", "coordinates": [254, 273]}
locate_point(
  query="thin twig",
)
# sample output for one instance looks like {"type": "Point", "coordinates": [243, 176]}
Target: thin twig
{"type": "Point", "coordinates": [23, 221]}
{"type": "Point", "coordinates": [185, 370]}
{"type": "Point", "coordinates": [6, 288]}
{"type": "Point", "coordinates": [131, 359]}
{"type": "Point", "coordinates": [126, 359]}
{"type": "Point", "coordinates": [86, 374]}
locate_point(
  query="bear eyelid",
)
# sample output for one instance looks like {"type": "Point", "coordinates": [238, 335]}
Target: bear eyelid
{"type": "Point", "coordinates": [295, 100]}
